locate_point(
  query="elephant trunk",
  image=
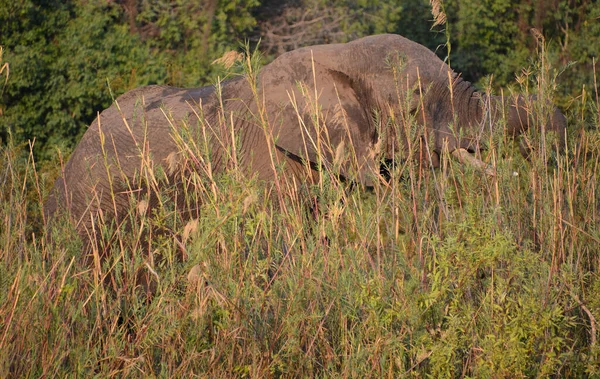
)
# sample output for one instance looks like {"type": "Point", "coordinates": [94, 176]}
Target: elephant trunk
{"type": "Point", "coordinates": [466, 158]}
{"type": "Point", "coordinates": [522, 114]}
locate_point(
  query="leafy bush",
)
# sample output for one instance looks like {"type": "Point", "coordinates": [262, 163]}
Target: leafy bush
{"type": "Point", "coordinates": [69, 58]}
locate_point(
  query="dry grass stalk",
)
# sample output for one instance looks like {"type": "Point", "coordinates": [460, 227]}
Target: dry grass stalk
{"type": "Point", "coordinates": [229, 59]}
{"type": "Point", "coordinates": [437, 10]}
{"type": "Point", "coordinates": [539, 37]}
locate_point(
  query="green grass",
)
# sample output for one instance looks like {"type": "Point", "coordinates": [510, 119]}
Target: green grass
{"type": "Point", "coordinates": [444, 273]}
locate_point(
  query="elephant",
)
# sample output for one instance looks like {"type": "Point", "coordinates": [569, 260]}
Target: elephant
{"type": "Point", "coordinates": [302, 111]}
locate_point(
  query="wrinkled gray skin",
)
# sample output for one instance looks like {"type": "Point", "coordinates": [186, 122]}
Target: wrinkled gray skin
{"type": "Point", "coordinates": [372, 75]}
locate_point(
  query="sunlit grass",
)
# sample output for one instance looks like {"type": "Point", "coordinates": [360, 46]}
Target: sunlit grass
{"type": "Point", "coordinates": [446, 273]}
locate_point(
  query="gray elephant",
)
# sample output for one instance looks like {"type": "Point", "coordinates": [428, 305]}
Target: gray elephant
{"type": "Point", "coordinates": [360, 89]}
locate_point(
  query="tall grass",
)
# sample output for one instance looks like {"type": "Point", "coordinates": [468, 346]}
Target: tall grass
{"type": "Point", "coordinates": [444, 273]}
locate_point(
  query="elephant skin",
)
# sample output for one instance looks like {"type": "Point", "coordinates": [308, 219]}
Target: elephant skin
{"type": "Point", "coordinates": [361, 88]}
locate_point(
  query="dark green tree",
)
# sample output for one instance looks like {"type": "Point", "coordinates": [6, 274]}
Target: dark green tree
{"type": "Point", "coordinates": [495, 37]}
{"type": "Point", "coordinates": [64, 57]}
{"type": "Point", "coordinates": [192, 33]}
{"type": "Point", "coordinates": [67, 56]}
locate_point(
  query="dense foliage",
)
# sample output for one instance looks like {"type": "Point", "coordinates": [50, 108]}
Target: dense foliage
{"type": "Point", "coordinates": [69, 58]}
{"type": "Point", "coordinates": [495, 37]}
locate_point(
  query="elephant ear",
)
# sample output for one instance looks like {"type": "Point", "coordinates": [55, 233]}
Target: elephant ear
{"type": "Point", "coordinates": [329, 124]}
{"type": "Point", "coordinates": [454, 113]}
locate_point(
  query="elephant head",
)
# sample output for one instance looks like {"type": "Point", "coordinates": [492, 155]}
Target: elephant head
{"type": "Point", "coordinates": [461, 120]}
{"type": "Point", "coordinates": [389, 76]}
{"type": "Point", "coordinates": [305, 109]}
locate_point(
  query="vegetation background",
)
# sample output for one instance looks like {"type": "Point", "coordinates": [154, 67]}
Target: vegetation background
{"type": "Point", "coordinates": [67, 56]}
{"type": "Point", "coordinates": [429, 274]}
